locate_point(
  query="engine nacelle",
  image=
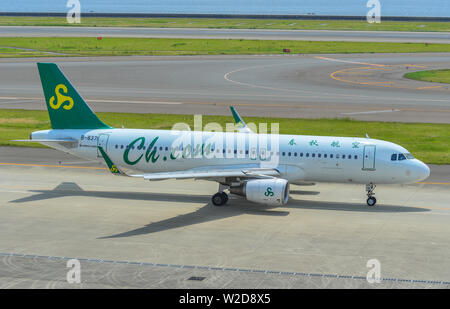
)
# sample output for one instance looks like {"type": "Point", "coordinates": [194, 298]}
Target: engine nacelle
{"type": "Point", "coordinates": [264, 191]}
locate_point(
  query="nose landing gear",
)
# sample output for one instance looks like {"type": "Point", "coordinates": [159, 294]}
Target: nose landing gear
{"type": "Point", "coordinates": [371, 200]}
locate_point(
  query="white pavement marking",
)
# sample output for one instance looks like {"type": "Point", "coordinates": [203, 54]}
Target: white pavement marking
{"type": "Point", "coordinates": [104, 101]}
{"type": "Point", "coordinates": [136, 102]}
{"type": "Point", "coordinates": [372, 112]}
{"type": "Point", "coordinates": [347, 61]}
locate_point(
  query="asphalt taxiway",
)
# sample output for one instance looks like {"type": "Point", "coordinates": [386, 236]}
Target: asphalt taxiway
{"type": "Point", "coordinates": [360, 86]}
{"type": "Point", "coordinates": [250, 34]}
{"type": "Point", "coordinates": [132, 233]}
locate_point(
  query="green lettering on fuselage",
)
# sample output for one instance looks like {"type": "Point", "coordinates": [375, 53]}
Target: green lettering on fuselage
{"type": "Point", "coordinates": [126, 159]}
{"type": "Point", "coordinates": [150, 154]}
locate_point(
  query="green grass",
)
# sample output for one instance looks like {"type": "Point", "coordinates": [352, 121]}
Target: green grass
{"type": "Point", "coordinates": [219, 23]}
{"type": "Point", "coordinates": [428, 142]}
{"type": "Point", "coordinates": [435, 76]}
{"type": "Point", "coordinates": [142, 46]}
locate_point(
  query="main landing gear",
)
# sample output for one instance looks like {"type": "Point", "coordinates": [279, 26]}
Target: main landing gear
{"type": "Point", "coordinates": [371, 200]}
{"type": "Point", "coordinates": [219, 199]}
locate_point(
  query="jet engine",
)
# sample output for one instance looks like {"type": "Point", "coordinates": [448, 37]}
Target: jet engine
{"type": "Point", "coordinates": [264, 191]}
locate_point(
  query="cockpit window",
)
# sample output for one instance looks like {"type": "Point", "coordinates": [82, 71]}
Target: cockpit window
{"type": "Point", "coordinates": [409, 156]}
{"type": "Point", "coordinates": [402, 156]}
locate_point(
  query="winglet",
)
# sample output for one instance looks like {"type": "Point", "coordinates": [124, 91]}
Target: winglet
{"type": "Point", "coordinates": [112, 167]}
{"type": "Point", "coordinates": [242, 127]}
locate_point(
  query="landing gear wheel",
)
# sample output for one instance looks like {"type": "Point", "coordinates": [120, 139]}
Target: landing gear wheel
{"type": "Point", "coordinates": [219, 199]}
{"type": "Point", "coordinates": [225, 197]}
{"type": "Point", "coordinates": [371, 201]}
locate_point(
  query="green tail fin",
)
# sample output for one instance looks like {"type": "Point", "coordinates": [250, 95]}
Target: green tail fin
{"type": "Point", "coordinates": [66, 107]}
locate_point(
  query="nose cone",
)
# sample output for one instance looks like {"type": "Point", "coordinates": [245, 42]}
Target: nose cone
{"type": "Point", "coordinates": [421, 171]}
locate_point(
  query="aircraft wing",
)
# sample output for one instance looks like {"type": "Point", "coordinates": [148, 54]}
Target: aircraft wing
{"type": "Point", "coordinates": [214, 173]}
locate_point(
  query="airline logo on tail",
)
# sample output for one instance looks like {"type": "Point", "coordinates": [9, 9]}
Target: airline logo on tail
{"type": "Point", "coordinates": [61, 98]}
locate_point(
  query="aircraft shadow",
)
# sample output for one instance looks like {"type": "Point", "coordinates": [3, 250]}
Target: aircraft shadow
{"type": "Point", "coordinates": [208, 212]}
{"type": "Point", "coordinates": [72, 189]}
{"type": "Point", "coordinates": [361, 207]}
{"type": "Point", "coordinates": [204, 214]}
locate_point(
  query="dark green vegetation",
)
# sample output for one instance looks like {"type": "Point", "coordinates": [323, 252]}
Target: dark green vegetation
{"type": "Point", "coordinates": [428, 142]}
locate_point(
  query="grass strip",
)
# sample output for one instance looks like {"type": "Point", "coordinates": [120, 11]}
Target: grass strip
{"type": "Point", "coordinates": [231, 23]}
{"type": "Point", "coordinates": [435, 76]}
{"type": "Point", "coordinates": [83, 46]}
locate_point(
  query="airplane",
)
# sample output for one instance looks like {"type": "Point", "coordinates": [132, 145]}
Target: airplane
{"type": "Point", "coordinates": [257, 167]}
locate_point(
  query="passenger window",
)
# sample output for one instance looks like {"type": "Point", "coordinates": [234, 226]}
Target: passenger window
{"type": "Point", "coordinates": [283, 153]}
{"type": "Point", "coordinates": [337, 156]}
{"type": "Point", "coordinates": [356, 157]}
{"type": "Point", "coordinates": [343, 156]}
{"type": "Point", "coordinates": [295, 154]}
{"type": "Point", "coordinates": [307, 154]}
{"type": "Point", "coordinates": [325, 155]}
{"type": "Point", "coordinates": [394, 157]}
{"type": "Point", "coordinates": [349, 156]}
{"type": "Point", "coordinates": [301, 154]}
{"type": "Point", "coordinates": [401, 157]}
{"type": "Point", "coordinates": [313, 155]}
{"type": "Point", "coordinates": [331, 156]}
{"type": "Point", "coordinates": [289, 154]}
{"type": "Point", "coordinates": [319, 155]}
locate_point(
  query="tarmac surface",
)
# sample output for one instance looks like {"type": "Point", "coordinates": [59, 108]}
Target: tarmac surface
{"type": "Point", "coordinates": [359, 86]}
{"type": "Point", "coordinates": [132, 233]}
{"type": "Point", "coordinates": [253, 34]}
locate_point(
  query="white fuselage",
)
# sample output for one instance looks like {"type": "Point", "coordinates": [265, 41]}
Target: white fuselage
{"type": "Point", "coordinates": [297, 157]}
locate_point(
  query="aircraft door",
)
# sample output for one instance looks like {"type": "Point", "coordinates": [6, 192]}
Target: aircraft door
{"type": "Point", "coordinates": [102, 142]}
{"type": "Point", "coordinates": [369, 158]}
